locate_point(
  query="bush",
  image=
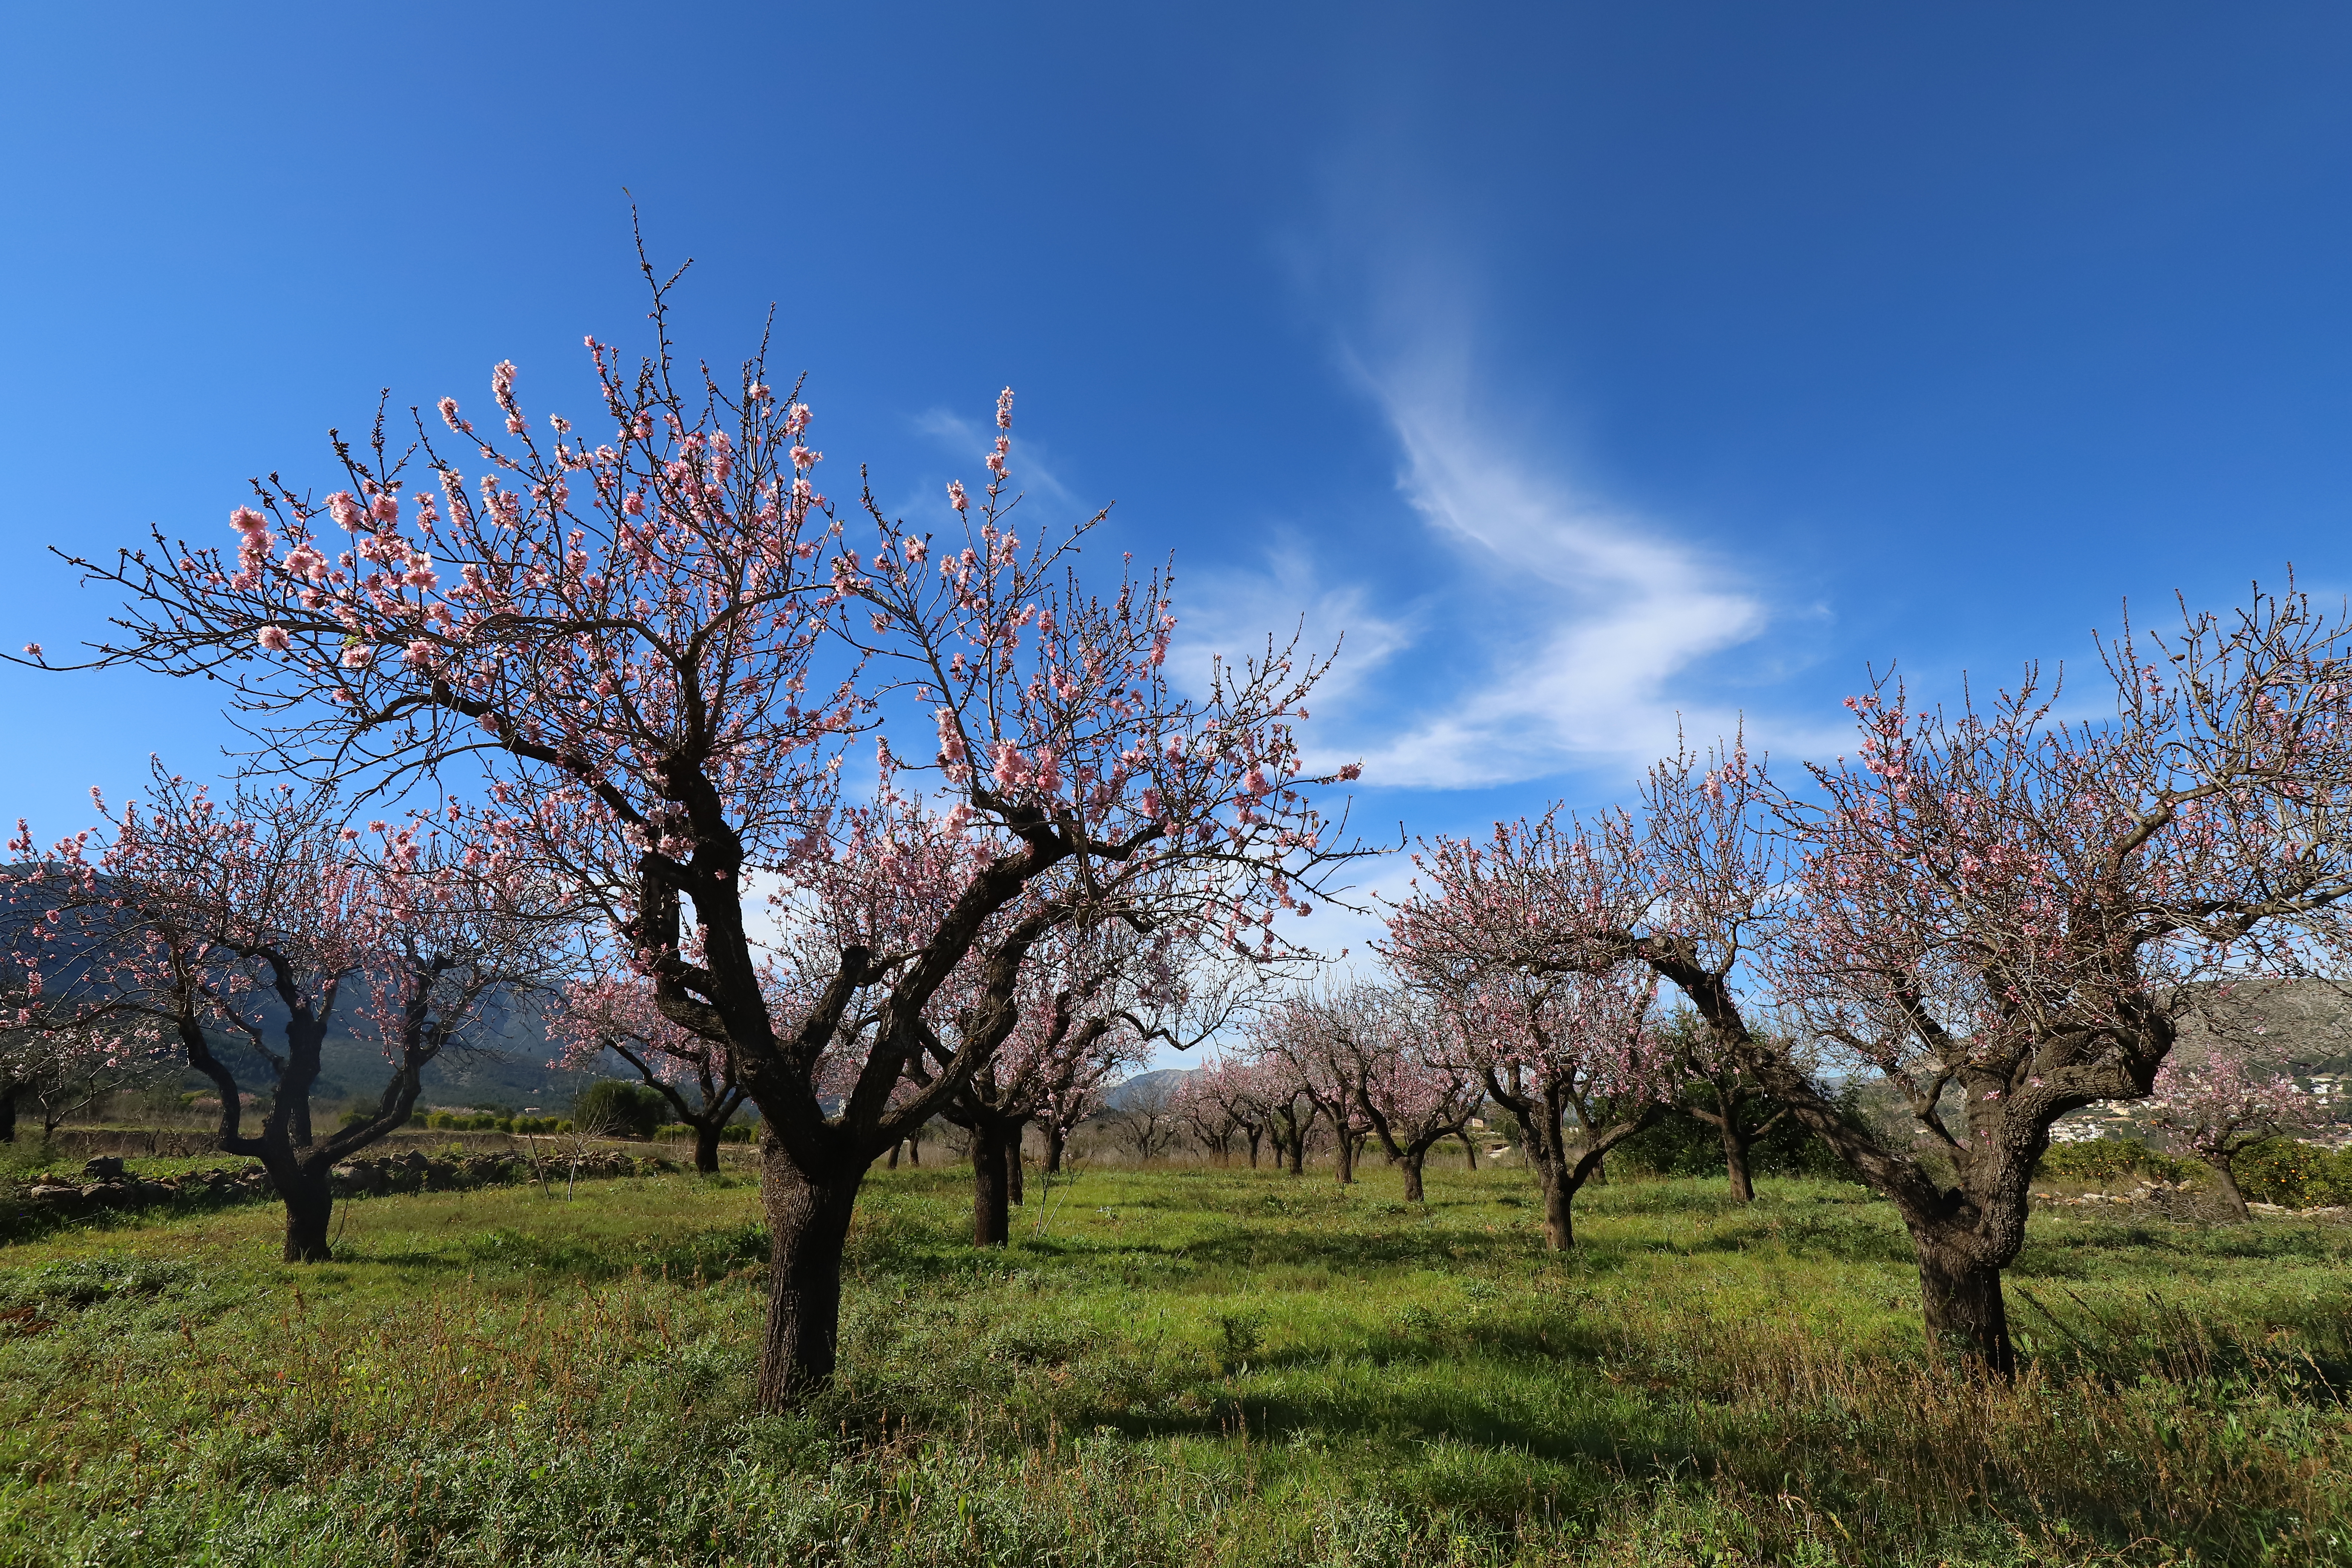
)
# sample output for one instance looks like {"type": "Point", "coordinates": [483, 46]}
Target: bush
{"type": "Point", "coordinates": [621, 1108]}
{"type": "Point", "coordinates": [2299, 1176]}
{"type": "Point", "coordinates": [1681, 1145]}
{"type": "Point", "coordinates": [2110, 1159]}
{"type": "Point", "coordinates": [534, 1126]}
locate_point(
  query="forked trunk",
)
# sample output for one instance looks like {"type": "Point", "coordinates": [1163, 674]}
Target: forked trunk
{"type": "Point", "coordinates": [991, 1220]}
{"type": "Point", "coordinates": [1735, 1163]}
{"type": "Point", "coordinates": [808, 1227]}
{"type": "Point", "coordinates": [1411, 1163]}
{"type": "Point", "coordinates": [2231, 1194]}
{"type": "Point", "coordinates": [706, 1150]}
{"type": "Point", "coordinates": [310, 1204]}
{"type": "Point", "coordinates": [1962, 1304]}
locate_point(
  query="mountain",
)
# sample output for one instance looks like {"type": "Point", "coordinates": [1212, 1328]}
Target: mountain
{"type": "Point", "coordinates": [1162, 1080]}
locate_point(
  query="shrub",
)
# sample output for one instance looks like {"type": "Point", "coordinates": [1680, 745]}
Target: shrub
{"type": "Point", "coordinates": [2299, 1176]}
{"type": "Point", "coordinates": [1680, 1145]}
{"type": "Point", "coordinates": [2110, 1159]}
{"type": "Point", "coordinates": [621, 1108]}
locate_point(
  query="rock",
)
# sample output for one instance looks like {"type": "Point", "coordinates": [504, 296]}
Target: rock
{"type": "Point", "coordinates": [104, 1167]}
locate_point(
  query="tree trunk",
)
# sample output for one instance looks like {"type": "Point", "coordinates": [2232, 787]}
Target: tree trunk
{"type": "Point", "coordinates": [1735, 1161]}
{"type": "Point", "coordinates": [893, 1165]}
{"type": "Point", "coordinates": [1469, 1148]}
{"type": "Point", "coordinates": [310, 1204]}
{"type": "Point", "coordinates": [2231, 1191]}
{"type": "Point", "coordinates": [1962, 1304]}
{"type": "Point", "coordinates": [1298, 1154]}
{"type": "Point", "coordinates": [1411, 1161]}
{"type": "Point", "coordinates": [915, 1148]}
{"type": "Point", "coordinates": [1254, 1136]}
{"type": "Point", "coordinates": [8, 1114]}
{"type": "Point", "coordinates": [1344, 1157]}
{"type": "Point", "coordinates": [1055, 1139]}
{"type": "Point", "coordinates": [1560, 1230]}
{"type": "Point", "coordinates": [705, 1149]}
{"type": "Point", "coordinates": [1013, 1192]}
{"type": "Point", "coordinates": [991, 1221]}
{"type": "Point", "coordinates": [808, 1227]}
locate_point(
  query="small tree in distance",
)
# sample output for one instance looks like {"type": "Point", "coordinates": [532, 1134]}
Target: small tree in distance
{"type": "Point", "coordinates": [2220, 1095]}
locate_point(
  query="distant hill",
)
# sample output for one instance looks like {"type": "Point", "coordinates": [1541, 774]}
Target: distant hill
{"type": "Point", "coordinates": [510, 1073]}
{"type": "Point", "coordinates": [1161, 1080]}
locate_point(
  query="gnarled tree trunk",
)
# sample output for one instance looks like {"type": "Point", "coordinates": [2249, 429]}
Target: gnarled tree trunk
{"type": "Point", "coordinates": [1411, 1163]}
{"type": "Point", "coordinates": [1961, 1301]}
{"type": "Point", "coordinates": [2232, 1193]}
{"type": "Point", "coordinates": [1055, 1138]}
{"type": "Point", "coordinates": [706, 1148]}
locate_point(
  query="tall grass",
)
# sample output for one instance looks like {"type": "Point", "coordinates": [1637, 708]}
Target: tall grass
{"type": "Point", "coordinates": [1192, 1367]}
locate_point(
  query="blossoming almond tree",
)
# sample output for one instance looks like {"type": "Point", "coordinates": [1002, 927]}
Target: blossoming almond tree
{"type": "Point", "coordinates": [1414, 1080]}
{"type": "Point", "coordinates": [654, 638]}
{"type": "Point", "coordinates": [1515, 938]}
{"type": "Point", "coordinates": [2220, 1095]}
{"type": "Point", "coordinates": [1313, 1042]}
{"type": "Point", "coordinates": [68, 1037]}
{"type": "Point", "coordinates": [2019, 909]}
{"type": "Point", "coordinates": [617, 1013]}
{"type": "Point", "coordinates": [214, 914]}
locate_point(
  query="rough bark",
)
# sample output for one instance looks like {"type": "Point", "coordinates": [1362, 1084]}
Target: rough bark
{"type": "Point", "coordinates": [1560, 1223]}
{"type": "Point", "coordinates": [309, 1206]}
{"type": "Point", "coordinates": [2231, 1192]}
{"type": "Point", "coordinates": [1411, 1163]}
{"type": "Point", "coordinates": [1469, 1147]}
{"type": "Point", "coordinates": [1965, 1314]}
{"type": "Point", "coordinates": [991, 1220]}
{"type": "Point", "coordinates": [705, 1149]}
{"type": "Point", "coordinates": [1055, 1138]}
{"type": "Point", "coordinates": [1344, 1158]}
{"type": "Point", "coordinates": [808, 1229]}
{"type": "Point", "coordinates": [1735, 1161]}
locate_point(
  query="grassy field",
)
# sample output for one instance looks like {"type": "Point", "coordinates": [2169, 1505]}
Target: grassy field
{"type": "Point", "coordinates": [1180, 1366]}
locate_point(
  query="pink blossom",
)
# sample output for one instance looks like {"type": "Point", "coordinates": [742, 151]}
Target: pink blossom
{"type": "Point", "coordinates": [956, 497]}
{"type": "Point", "coordinates": [274, 638]}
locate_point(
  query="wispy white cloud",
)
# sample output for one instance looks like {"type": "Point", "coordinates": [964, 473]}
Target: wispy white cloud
{"type": "Point", "coordinates": [1585, 613]}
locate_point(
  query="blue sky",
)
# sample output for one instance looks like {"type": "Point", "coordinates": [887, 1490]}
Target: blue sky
{"type": "Point", "coordinates": [1588, 367]}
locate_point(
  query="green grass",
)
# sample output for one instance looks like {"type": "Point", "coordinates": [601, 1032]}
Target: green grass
{"type": "Point", "coordinates": [1170, 1367]}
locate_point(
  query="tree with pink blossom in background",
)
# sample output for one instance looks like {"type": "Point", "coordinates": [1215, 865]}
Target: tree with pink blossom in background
{"type": "Point", "coordinates": [2221, 1092]}
{"type": "Point", "coordinates": [216, 910]}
